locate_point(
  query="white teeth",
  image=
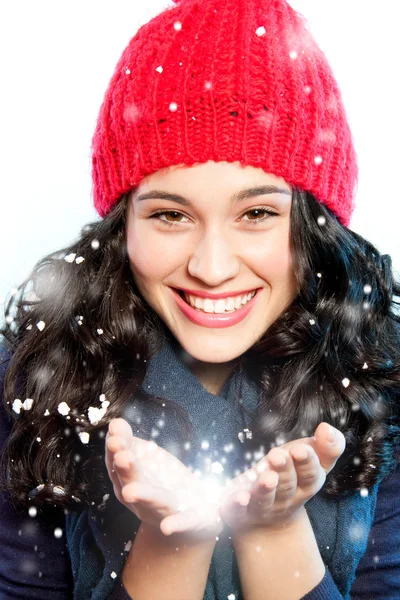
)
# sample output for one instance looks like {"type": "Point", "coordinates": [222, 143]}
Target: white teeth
{"type": "Point", "coordinates": [208, 306]}
{"type": "Point", "coordinates": [238, 301]}
{"type": "Point", "coordinates": [223, 305]}
{"type": "Point", "coordinates": [220, 306]}
{"type": "Point", "coordinates": [230, 305]}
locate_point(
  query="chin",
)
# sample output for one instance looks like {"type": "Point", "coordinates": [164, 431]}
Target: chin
{"type": "Point", "coordinates": [213, 350]}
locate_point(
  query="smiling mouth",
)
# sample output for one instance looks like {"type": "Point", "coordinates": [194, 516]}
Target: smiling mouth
{"type": "Point", "coordinates": [209, 306]}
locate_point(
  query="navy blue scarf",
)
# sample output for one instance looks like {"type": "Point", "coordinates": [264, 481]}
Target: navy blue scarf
{"type": "Point", "coordinates": [98, 541]}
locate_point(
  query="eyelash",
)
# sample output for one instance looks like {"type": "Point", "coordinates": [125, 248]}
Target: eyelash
{"type": "Point", "coordinates": [265, 209]}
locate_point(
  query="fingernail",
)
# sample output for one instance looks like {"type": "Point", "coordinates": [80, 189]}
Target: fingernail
{"type": "Point", "coordinates": [331, 434]}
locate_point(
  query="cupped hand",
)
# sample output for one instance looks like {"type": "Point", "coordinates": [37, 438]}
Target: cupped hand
{"type": "Point", "coordinates": [273, 492]}
{"type": "Point", "coordinates": [157, 486]}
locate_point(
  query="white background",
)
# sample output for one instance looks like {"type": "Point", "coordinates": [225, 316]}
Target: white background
{"type": "Point", "coordinates": [56, 61]}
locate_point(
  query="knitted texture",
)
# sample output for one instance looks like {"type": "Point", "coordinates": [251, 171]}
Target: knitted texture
{"type": "Point", "coordinates": [225, 80]}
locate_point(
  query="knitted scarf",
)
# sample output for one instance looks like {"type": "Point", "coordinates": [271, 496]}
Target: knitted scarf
{"type": "Point", "coordinates": [98, 542]}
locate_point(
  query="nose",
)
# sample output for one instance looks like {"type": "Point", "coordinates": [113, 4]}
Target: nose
{"type": "Point", "coordinates": [214, 260]}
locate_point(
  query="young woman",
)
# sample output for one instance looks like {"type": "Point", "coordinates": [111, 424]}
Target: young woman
{"type": "Point", "coordinates": [170, 380]}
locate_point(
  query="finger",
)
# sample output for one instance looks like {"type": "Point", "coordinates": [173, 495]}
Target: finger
{"type": "Point", "coordinates": [264, 492]}
{"type": "Point", "coordinates": [307, 465]}
{"type": "Point", "coordinates": [281, 461]}
{"type": "Point", "coordinates": [121, 428]}
{"type": "Point", "coordinates": [328, 451]}
{"type": "Point", "coordinates": [187, 520]}
{"type": "Point", "coordinates": [126, 467]}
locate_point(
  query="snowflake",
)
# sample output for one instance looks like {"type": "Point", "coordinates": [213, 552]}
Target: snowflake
{"type": "Point", "coordinates": [367, 289]}
{"type": "Point", "coordinates": [17, 405]}
{"type": "Point", "coordinates": [177, 26]}
{"type": "Point", "coordinates": [79, 260]}
{"type": "Point", "coordinates": [58, 532]}
{"type": "Point", "coordinates": [345, 382]}
{"type": "Point", "coordinates": [32, 511]}
{"type": "Point", "coordinates": [41, 325]}
{"type": "Point", "coordinates": [159, 69]}
{"type": "Point", "coordinates": [293, 54]}
{"type": "Point", "coordinates": [173, 107]}
{"type": "Point", "coordinates": [217, 468]}
{"type": "Point", "coordinates": [85, 436]}
{"type": "Point", "coordinates": [46, 412]}
{"type": "Point", "coordinates": [95, 244]}
{"type": "Point", "coordinates": [63, 408]}
{"type": "Point", "coordinates": [260, 31]}
{"type": "Point", "coordinates": [113, 575]}
{"type": "Point", "coordinates": [321, 220]}
{"type": "Point", "coordinates": [70, 257]}
{"type": "Point", "coordinates": [99, 331]}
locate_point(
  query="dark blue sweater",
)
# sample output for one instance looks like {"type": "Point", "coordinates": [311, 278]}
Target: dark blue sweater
{"type": "Point", "coordinates": [36, 564]}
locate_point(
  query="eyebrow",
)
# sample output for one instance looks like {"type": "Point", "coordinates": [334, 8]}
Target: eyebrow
{"type": "Point", "coordinates": [242, 195]}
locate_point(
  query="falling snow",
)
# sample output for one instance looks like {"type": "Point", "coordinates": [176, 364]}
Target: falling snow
{"type": "Point", "coordinates": [95, 244]}
{"type": "Point", "coordinates": [70, 257]}
{"type": "Point", "coordinates": [46, 412]}
{"type": "Point", "coordinates": [99, 331]}
{"type": "Point", "coordinates": [113, 575]}
{"type": "Point", "coordinates": [312, 321]}
{"type": "Point", "coordinates": [217, 468]}
{"type": "Point", "coordinates": [177, 26]}
{"type": "Point", "coordinates": [63, 408]}
{"type": "Point", "coordinates": [260, 31]}
{"type": "Point", "coordinates": [173, 107]}
{"type": "Point", "coordinates": [79, 260]}
{"type": "Point", "coordinates": [85, 436]}
{"type": "Point", "coordinates": [128, 546]}
{"type": "Point", "coordinates": [205, 445]}
{"type": "Point", "coordinates": [58, 532]}
{"type": "Point", "coordinates": [231, 597]}
{"type": "Point", "coordinates": [369, 439]}
{"type": "Point", "coordinates": [32, 511]}
{"type": "Point", "coordinates": [96, 414]}
{"type": "Point", "coordinates": [318, 160]}
{"type": "Point", "coordinates": [365, 366]}
{"type": "Point", "coordinates": [293, 54]}
{"type": "Point", "coordinates": [321, 220]}
{"type": "Point", "coordinates": [246, 433]}
{"type": "Point", "coordinates": [363, 492]}
{"type": "Point", "coordinates": [17, 405]}
{"type": "Point", "coordinates": [159, 69]}
{"type": "Point", "coordinates": [41, 325]}
{"type": "Point", "coordinates": [128, 71]}
{"type": "Point", "coordinates": [345, 382]}
{"type": "Point", "coordinates": [367, 289]}
{"type": "Point", "coordinates": [357, 532]}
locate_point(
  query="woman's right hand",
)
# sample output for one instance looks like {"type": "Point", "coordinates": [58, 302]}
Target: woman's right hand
{"type": "Point", "coordinates": [157, 486]}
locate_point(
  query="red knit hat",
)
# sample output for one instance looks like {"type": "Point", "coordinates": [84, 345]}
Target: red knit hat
{"type": "Point", "coordinates": [225, 80]}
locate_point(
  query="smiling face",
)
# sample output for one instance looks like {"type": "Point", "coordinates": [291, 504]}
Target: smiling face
{"type": "Point", "coordinates": [212, 240]}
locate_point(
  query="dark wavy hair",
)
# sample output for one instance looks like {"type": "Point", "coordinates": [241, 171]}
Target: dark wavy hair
{"type": "Point", "coordinates": [333, 355]}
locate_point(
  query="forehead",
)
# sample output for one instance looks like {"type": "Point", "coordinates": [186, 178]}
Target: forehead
{"type": "Point", "coordinates": [222, 178]}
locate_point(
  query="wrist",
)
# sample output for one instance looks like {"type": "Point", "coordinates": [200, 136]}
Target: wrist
{"type": "Point", "coordinates": [285, 528]}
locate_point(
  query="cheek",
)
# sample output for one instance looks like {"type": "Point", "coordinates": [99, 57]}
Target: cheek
{"type": "Point", "coordinates": [272, 260]}
{"type": "Point", "coordinates": [150, 258]}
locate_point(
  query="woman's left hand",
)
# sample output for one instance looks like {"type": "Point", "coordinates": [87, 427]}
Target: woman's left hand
{"type": "Point", "coordinates": [272, 494]}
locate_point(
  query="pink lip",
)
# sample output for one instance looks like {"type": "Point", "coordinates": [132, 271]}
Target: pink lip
{"type": "Point", "coordinates": [211, 319]}
{"type": "Point", "coordinates": [202, 294]}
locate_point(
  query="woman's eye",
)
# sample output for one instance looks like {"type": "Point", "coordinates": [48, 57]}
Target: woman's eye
{"type": "Point", "coordinates": [172, 213]}
{"type": "Point", "coordinates": [256, 211]}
